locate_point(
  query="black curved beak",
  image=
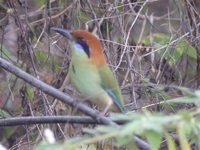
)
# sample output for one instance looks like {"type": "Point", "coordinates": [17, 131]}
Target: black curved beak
{"type": "Point", "coordinates": [64, 32]}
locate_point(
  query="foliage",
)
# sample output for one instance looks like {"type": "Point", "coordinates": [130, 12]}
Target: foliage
{"type": "Point", "coordinates": [148, 84]}
{"type": "Point", "coordinates": [151, 126]}
{"type": "Point", "coordinates": [172, 51]}
{"type": "Point", "coordinates": [6, 53]}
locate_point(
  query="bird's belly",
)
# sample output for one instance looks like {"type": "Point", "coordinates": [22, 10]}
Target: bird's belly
{"type": "Point", "coordinates": [85, 78]}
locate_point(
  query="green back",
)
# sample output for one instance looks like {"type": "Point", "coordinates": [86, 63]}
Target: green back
{"type": "Point", "coordinates": [109, 84]}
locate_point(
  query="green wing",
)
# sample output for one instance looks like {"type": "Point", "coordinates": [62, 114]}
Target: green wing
{"type": "Point", "coordinates": [109, 84]}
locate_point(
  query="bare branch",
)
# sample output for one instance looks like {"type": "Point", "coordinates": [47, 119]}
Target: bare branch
{"type": "Point", "coordinates": [64, 98]}
{"type": "Point", "coordinates": [55, 92]}
{"type": "Point", "coordinates": [29, 120]}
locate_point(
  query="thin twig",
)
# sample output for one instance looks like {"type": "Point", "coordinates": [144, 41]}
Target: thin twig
{"type": "Point", "coordinates": [41, 20]}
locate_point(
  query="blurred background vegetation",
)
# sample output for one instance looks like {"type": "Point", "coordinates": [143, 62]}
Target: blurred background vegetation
{"type": "Point", "coordinates": [152, 46]}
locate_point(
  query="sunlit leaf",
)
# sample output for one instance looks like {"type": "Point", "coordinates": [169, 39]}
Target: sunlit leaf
{"type": "Point", "coordinates": [121, 140]}
{"type": "Point", "coordinates": [170, 143]}
{"type": "Point", "coordinates": [47, 146]}
{"type": "Point", "coordinates": [185, 99]}
{"type": "Point", "coordinates": [183, 138]}
{"type": "Point", "coordinates": [131, 146]}
{"type": "Point", "coordinates": [133, 127]}
{"type": "Point", "coordinates": [154, 139]}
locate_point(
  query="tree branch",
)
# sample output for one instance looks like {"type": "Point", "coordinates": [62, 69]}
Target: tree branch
{"type": "Point", "coordinates": [55, 92]}
{"type": "Point", "coordinates": [64, 98]}
{"type": "Point", "coordinates": [29, 120]}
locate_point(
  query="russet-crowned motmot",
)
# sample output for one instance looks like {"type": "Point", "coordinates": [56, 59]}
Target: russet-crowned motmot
{"type": "Point", "coordinates": [89, 71]}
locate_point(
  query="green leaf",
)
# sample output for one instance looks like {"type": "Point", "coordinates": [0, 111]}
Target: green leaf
{"type": "Point", "coordinates": [146, 8]}
{"type": "Point", "coordinates": [41, 56]}
{"type": "Point", "coordinates": [6, 53]}
{"type": "Point", "coordinates": [119, 6]}
{"type": "Point", "coordinates": [170, 143]}
{"type": "Point", "coordinates": [4, 114]}
{"type": "Point", "coordinates": [84, 15]}
{"type": "Point", "coordinates": [186, 99]}
{"type": "Point", "coordinates": [56, 66]}
{"type": "Point", "coordinates": [187, 92]}
{"type": "Point", "coordinates": [8, 132]}
{"type": "Point", "coordinates": [131, 146]}
{"type": "Point", "coordinates": [101, 129]}
{"type": "Point", "coordinates": [190, 50]}
{"type": "Point", "coordinates": [121, 140]}
{"type": "Point", "coordinates": [183, 138]}
{"type": "Point", "coordinates": [40, 2]}
{"type": "Point", "coordinates": [154, 139]}
{"type": "Point", "coordinates": [93, 147]}
{"type": "Point", "coordinates": [46, 146]}
{"type": "Point", "coordinates": [30, 93]}
{"type": "Point", "coordinates": [132, 127]}
{"type": "Point", "coordinates": [174, 51]}
{"type": "Point", "coordinates": [61, 2]}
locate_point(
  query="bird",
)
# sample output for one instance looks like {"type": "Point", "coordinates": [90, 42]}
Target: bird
{"type": "Point", "coordinates": [89, 71]}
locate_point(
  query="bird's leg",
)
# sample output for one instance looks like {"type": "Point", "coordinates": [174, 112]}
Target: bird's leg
{"type": "Point", "coordinates": [109, 104]}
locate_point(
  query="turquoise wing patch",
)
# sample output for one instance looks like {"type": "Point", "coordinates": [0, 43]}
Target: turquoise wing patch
{"type": "Point", "coordinates": [113, 96]}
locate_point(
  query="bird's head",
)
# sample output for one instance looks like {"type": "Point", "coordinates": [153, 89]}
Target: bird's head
{"type": "Point", "coordinates": [84, 41]}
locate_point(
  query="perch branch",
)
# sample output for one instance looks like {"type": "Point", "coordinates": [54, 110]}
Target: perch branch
{"type": "Point", "coordinates": [64, 98]}
{"type": "Point", "coordinates": [29, 120]}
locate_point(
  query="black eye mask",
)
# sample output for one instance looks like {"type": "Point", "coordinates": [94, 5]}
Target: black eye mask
{"type": "Point", "coordinates": [84, 45]}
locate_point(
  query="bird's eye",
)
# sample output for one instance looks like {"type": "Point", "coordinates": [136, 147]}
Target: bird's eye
{"type": "Point", "coordinates": [82, 44]}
